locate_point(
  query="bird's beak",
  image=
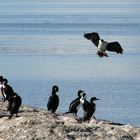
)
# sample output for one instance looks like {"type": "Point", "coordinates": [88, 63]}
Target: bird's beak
{"type": "Point", "coordinates": [97, 99]}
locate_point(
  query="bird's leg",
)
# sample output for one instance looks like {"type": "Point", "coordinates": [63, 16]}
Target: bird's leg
{"type": "Point", "coordinates": [75, 114]}
{"type": "Point", "coordinates": [17, 115]}
{"type": "Point", "coordinates": [105, 54]}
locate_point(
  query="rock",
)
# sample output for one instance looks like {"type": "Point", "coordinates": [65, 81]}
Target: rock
{"type": "Point", "coordinates": [39, 124]}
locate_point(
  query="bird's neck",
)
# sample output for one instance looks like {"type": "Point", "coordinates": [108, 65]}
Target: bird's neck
{"type": "Point", "coordinates": [53, 93]}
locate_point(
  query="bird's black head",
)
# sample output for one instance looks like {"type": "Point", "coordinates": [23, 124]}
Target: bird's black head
{"type": "Point", "coordinates": [102, 40]}
{"type": "Point", "coordinates": [79, 93]}
{"type": "Point", "coordinates": [93, 99]}
{"type": "Point", "coordinates": [55, 88]}
{"type": "Point", "coordinates": [5, 81]}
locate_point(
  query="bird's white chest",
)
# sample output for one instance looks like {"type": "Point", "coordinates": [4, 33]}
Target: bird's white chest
{"type": "Point", "coordinates": [81, 103]}
{"type": "Point", "coordinates": [102, 46]}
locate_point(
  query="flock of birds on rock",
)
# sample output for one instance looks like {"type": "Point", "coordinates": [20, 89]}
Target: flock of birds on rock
{"type": "Point", "coordinates": [15, 101]}
{"type": "Point", "coordinates": [88, 107]}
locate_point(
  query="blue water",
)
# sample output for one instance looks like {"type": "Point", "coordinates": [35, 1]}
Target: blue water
{"type": "Point", "coordinates": [42, 44]}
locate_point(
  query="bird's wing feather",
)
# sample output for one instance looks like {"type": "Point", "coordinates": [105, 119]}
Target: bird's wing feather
{"type": "Point", "coordinates": [114, 47]}
{"type": "Point", "coordinates": [86, 105]}
{"type": "Point", "coordinates": [74, 101]}
{"type": "Point", "coordinates": [74, 104]}
{"type": "Point", "coordinates": [94, 37]}
{"type": "Point", "coordinates": [57, 100]}
{"type": "Point", "coordinates": [49, 102]}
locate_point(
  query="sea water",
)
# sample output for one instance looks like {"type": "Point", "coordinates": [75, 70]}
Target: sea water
{"type": "Point", "coordinates": [42, 44]}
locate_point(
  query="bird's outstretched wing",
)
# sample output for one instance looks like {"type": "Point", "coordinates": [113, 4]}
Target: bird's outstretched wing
{"type": "Point", "coordinates": [94, 37]}
{"type": "Point", "coordinates": [114, 47]}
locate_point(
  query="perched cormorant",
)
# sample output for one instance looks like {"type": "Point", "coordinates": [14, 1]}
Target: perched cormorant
{"type": "Point", "coordinates": [15, 103]}
{"type": "Point", "coordinates": [75, 104]}
{"type": "Point", "coordinates": [89, 108]}
{"type": "Point", "coordinates": [53, 100]}
{"type": "Point", "coordinates": [103, 45]}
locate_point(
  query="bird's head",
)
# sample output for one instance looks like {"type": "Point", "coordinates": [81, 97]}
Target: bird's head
{"type": "Point", "coordinates": [55, 88]}
{"type": "Point", "coordinates": [5, 81]}
{"type": "Point", "coordinates": [79, 93]}
{"type": "Point", "coordinates": [93, 99]}
{"type": "Point", "coordinates": [102, 40]}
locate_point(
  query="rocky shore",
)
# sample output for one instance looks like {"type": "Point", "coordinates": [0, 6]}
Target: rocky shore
{"type": "Point", "coordinates": [39, 124]}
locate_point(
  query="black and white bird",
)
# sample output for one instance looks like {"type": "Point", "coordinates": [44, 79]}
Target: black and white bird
{"type": "Point", "coordinates": [102, 45]}
{"type": "Point", "coordinates": [89, 108]}
{"type": "Point", "coordinates": [53, 100]}
{"type": "Point", "coordinates": [75, 104]}
{"type": "Point", "coordinates": [14, 100]}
